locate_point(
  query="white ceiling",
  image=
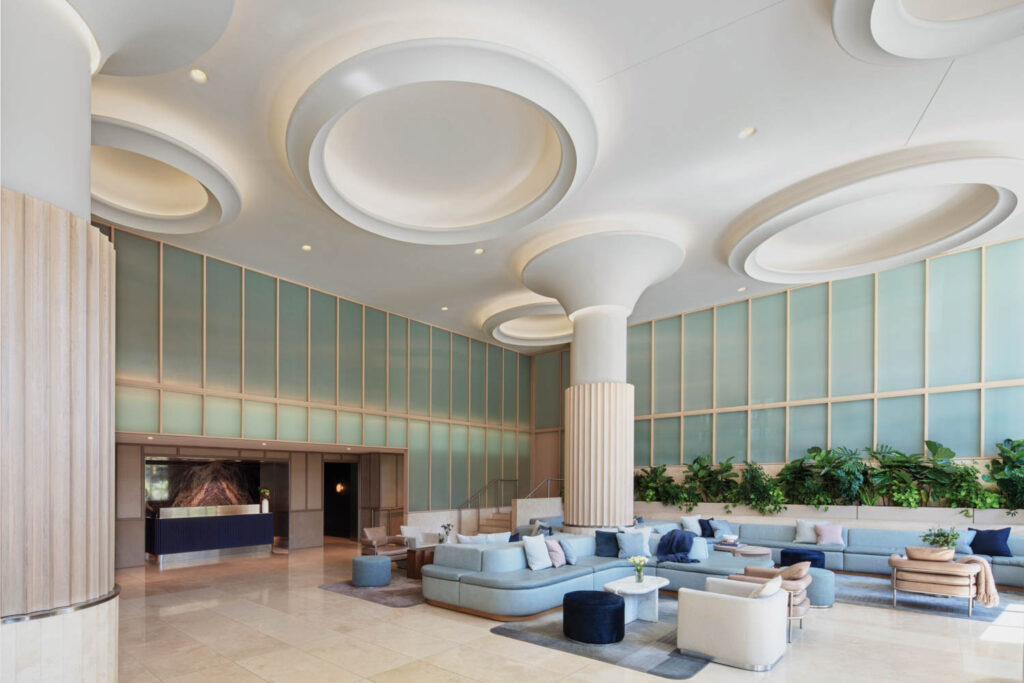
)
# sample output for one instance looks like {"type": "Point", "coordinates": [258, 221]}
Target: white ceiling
{"type": "Point", "coordinates": [669, 84]}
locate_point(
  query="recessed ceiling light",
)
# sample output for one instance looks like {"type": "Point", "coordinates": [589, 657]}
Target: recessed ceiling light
{"type": "Point", "coordinates": [746, 132]}
{"type": "Point", "coordinates": [306, 247]}
{"type": "Point", "coordinates": [444, 308]}
{"type": "Point", "coordinates": [478, 251]}
{"type": "Point", "coordinates": [197, 75]}
{"type": "Point", "coordinates": [741, 289]}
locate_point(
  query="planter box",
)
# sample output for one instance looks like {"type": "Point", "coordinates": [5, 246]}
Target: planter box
{"type": "Point", "coordinates": [888, 513]}
{"type": "Point", "coordinates": [998, 517]}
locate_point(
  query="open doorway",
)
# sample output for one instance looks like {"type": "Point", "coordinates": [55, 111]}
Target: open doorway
{"type": "Point", "coordinates": [341, 500]}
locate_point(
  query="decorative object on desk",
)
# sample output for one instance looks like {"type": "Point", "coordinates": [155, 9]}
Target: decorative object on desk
{"type": "Point", "coordinates": [638, 566]}
{"type": "Point", "coordinates": [446, 532]}
{"type": "Point", "coordinates": [264, 500]}
{"type": "Point", "coordinates": [730, 538]}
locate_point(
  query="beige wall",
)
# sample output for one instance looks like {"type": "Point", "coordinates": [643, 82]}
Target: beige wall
{"type": "Point", "coordinates": [130, 506]}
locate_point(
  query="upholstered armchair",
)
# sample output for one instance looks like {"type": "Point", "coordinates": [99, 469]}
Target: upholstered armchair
{"type": "Point", "coordinates": [795, 580]}
{"type": "Point", "coordinates": [375, 541]}
{"type": "Point", "coordinates": [723, 623]}
{"type": "Point", "coordinates": [935, 577]}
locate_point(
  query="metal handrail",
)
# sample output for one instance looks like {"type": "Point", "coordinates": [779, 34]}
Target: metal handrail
{"type": "Point", "coordinates": [547, 484]}
{"type": "Point", "coordinates": [499, 482]}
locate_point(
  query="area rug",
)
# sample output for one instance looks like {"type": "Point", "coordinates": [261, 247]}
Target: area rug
{"type": "Point", "coordinates": [401, 592]}
{"type": "Point", "coordinates": [648, 646]}
{"type": "Point", "coordinates": [876, 591]}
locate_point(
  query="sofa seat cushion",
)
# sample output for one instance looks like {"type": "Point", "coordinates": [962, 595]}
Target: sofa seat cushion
{"type": "Point", "coordinates": [526, 578]}
{"type": "Point", "coordinates": [1015, 561]}
{"type": "Point", "coordinates": [601, 563]}
{"type": "Point", "coordinates": [876, 550]}
{"type": "Point", "coordinates": [461, 556]}
{"type": "Point", "coordinates": [440, 571]}
{"type": "Point", "coordinates": [719, 563]}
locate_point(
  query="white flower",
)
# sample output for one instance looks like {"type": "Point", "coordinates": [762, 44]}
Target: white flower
{"type": "Point", "coordinates": [638, 561]}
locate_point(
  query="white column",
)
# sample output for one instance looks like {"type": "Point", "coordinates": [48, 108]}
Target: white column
{"type": "Point", "coordinates": [599, 345]}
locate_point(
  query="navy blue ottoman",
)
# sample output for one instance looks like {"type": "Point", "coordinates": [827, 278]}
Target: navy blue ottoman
{"type": "Point", "coordinates": [594, 617]}
{"type": "Point", "coordinates": [791, 556]}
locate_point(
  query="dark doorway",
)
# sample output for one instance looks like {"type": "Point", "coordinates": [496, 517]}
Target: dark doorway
{"type": "Point", "coordinates": [341, 500]}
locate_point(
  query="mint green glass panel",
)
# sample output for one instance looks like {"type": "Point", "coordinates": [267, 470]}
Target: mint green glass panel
{"type": "Point", "coordinates": [806, 429]}
{"type": "Point", "coordinates": [901, 328]}
{"type": "Point", "coordinates": [731, 357]}
{"type": "Point", "coordinates": [768, 351]}
{"type": "Point", "coordinates": [808, 343]}
{"type": "Point", "coordinates": [493, 384]}
{"type": "Point", "coordinates": [460, 377]}
{"type": "Point", "coordinates": [374, 430]}
{"type": "Point", "coordinates": [440, 466]}
{"type": "Point", "coordinates": [641, 443]}
{"type": "Point", "coordinates": [901, 423]}
{"type": "Point", "coordinates": [182, 413]}
{"type": "Point", "coordinates": [350, 428]}
{"type": "Point", "coordinates": [419, 368]}
{"type": "Point", "coordinates": [375, 353]}
{"type": "Point", "coordinates": [852, 424]}
{"type": "Point", "coordinates": [731, 437]}
{"type": "Point", "coordinates": [419, 465]}
{"type": "Point", "coordinates": [668, 357]}
{"type": "Point", "coordinates": [768, 435]}
{"type": "Point", "coordinates": [223, 326]}
{"type": "Point", "coordinates": [460, 465]}
{"type": "Point", "coordinates": [260, 420]}
{"type": "Point", "coordinates": [508, 465]}
{"type": "Point", "coordinates": [493, 464]}
{"type": "Point", "coordinates": [477, 459]}
{"type": "Point", "coordinates": [396, 432]}
{"type": "Point", "coordinates": [224, 415]}
{"type": "Point", "coordinates": [509, 383]}
{"type": "Point", "coordinates": [1004, 416]}
{"type": "Point", "coordinates": [954, 420]}
{"type": "Point", "coordinates": [323, 337]}
{"type": "Point", "coordinates": [477, 381]}
{"type": "Point", "coordinates": [696, 437]}
{"type": "Point", "coordinates": [666, 441]}
{"type": "Point", "coordinates": [137, 306]}
{"type": "Point", "coordinates": [398, 365]}
{"type": "Point", "coordinates": [322, 423]}
{"type": "Point", "coordinates": [136, 410]}
{"type": "Point", "coordinates": [293, 320]}
{"type": "Point", "coordinates": [260, 334]}
{"type": "Point", "coordinates": [1004, 302]}
{"type": "Point", "coordinates": [291, 423]}
{"type": "Point", "coordinates": [525, 362]}
{"type": "Point", "coordinates": [523, 451]}
{"type": "Point", "coordinates": [183, 317]}
{"type": "Point", "coordinates": [565, 373]}
{"type": "Point", "coordinates": [638, 366]}
{"type": "Point", "coordinates": [350, 353]}
{"type": "Point", "coordinates": [547, 388]}
{"type": "Point", "coordinates": [954, 319]}
{"type": "Point", "coordinates": [853, 336]}
{"type": "Point", "coordinates": [441, 373]}
{"type": "Point", "coordinates": [697, 361]}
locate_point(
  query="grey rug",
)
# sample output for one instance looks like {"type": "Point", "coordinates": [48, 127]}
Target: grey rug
{"type": "Point", "coordinates": [401, 592]}
{"type": "Point", "coordinates": [876, 591]}
{"type": "Point", "coordinates": [648, 646]}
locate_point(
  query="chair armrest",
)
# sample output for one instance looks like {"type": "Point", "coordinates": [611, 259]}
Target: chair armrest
{"type": "Point", "coordinates": [396, 539]}
{"type": "Point", "coordinates": [954, 568]}
{"type": "Point", "coordinates": [748, 579]}
{"type": "Point", "coordinates": [761, 572]}
{"type": "Point", "coordinates": [739, 589]}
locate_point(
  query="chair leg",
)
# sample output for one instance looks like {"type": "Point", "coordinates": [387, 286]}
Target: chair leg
{"type": "Point", "coordinates": [789, 630]}
{"type": "Point", "coordinates": [970, 607]}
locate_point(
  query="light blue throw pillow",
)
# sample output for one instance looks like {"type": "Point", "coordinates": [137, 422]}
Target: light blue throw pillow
{"type": "Point", "coordinates": [699, 549]}
{"type": "Point", "coordinates": [633, 543]}
{"type": "Point", "coordinates": [720, 527]}
{"type": "Point", "coordinates": [963, 544]}
{"type": "Point", "coordinates": [570, 552]}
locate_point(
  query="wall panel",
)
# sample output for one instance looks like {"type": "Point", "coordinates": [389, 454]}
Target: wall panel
{"type": "Point", "coordinates": [667, 364]}
{"type": "Point", "coordinates": [1004, 301]}
{"type": "Point", "coordinates": [638, 366]}
{"type": "Point", "coordinates": [852, 424]}
{"type": "Point", "coordinates": [323, 341]}
{"type": "Point", "coordinates": [375, 358]}
{"type": "Point", "coordinates": [182, 344]}
{"type": "Point", "coordinates": [641, 443]}
{"type": "Point", "coordinates": [954, 319]}
{"type": "Point", "coordinates": [901, 327]}
{"type": "Point", "coordinates": [768, 435]}
{"type": "Point", "coordinates": [419, 368]}
{"type": "Point", "coordinates": [731, 355]}
{"type": "Point", "coordinates": [953, 420]}
{"type": "Point", "coordinates": [901, 423]}
{"type": "Point", "coordinates": [477, 381]}
{"type": "Point", "coordinates": [350, 353]}
{"type": "Point", "coordinates": [260, 334]}
{"type": "Point", "coordinates": [698, 361]}
{"type": "Point", "coordinates": [223, 326]}
{"type": "Point", "coordinates": [398, 364]}
{"type": "Point", "coordinates": [853, 335]}
{"type": "Point", "coordinates": [460, 377]}
{"type": "Point", "coordinates": [696, 437]}
{"type": "Point", "coordinates": [494, 394]}
{"type": "Point", "coordinates": [808, 342]}
{"type": "Point", "coordinates": [807, 428]}
{"type": "Point", "coordinates": [768, 349]}
{"type": "Point", "coordinates": [293, 340]}
{"type": "Point", "coordinates": [666, 442]}
{"type": "Point", "coordinates": [441, 373]}
{"type": "Point", "coordinates": [138, 296]}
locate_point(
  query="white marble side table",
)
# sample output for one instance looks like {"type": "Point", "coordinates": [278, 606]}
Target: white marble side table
{"type": "Point", "coordinates": [641, 596]}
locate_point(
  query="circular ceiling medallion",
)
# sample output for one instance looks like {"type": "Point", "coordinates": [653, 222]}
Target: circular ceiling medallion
{"type": "Point", "coordinates": [875, 214]}
{"type": "Point", "coordinates": [143, 179]}
{"type": "Point", "coordinates": [441, 141]}
{"type": "Point", "coordinates": [888, 31]}
{"type": "Point", "coordinates": [532, 325]}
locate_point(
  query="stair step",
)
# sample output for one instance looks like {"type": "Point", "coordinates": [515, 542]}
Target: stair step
{"type": "Point", "coordinates": [505, 516]}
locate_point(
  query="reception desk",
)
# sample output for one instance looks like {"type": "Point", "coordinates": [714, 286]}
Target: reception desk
{"type": "Point", "coordinates": [187, 536]}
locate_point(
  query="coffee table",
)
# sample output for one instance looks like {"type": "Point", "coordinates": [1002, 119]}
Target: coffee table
{"type": "Point", "coordinates": [745, 550]}
{"type": "Point", "coordinates": [416, 558]}
{"type": "Point", "coordinates": [641, 596]}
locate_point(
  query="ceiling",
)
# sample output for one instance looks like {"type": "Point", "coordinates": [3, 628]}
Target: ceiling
{"type": "Point", "coordinates": [645, 103]}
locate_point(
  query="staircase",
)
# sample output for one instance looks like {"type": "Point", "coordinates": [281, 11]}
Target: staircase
{"type": "Point", "coordinates": [496, 522]}
{"type": "Point", "coordinates": [494, 490]}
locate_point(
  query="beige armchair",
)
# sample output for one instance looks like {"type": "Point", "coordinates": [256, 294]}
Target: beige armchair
{"type": "Point", "coordinates": [375, 541]}
{"type": "Point", "coordinates": [724, 624]}
{"type": "Point", "coordinates": [935, 577]}
{"type": "Point", "coordinates": [795, 580]}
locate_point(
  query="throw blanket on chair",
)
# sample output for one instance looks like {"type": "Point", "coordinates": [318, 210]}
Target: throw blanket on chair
{"type": "Point", "coordinates": [987, 593]}
{"type": "Point", "coordinates": [675, 546]}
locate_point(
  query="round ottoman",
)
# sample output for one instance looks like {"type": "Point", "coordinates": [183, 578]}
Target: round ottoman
{"type": "Point", "coordinates": [822, 591]}
{"type": "Point", "coordinates": [791, 556]}
{"type": "Point", "coordinates": [594, 617]}
{"type": "Point", "coordinates": [371, 570]}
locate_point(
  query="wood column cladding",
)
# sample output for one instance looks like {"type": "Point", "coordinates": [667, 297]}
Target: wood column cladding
{"type": "Point", "coordinates": [56, 407]}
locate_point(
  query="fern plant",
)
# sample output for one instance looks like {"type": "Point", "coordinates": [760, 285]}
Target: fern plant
{"type": "Point", "coordinates": [760, 491]}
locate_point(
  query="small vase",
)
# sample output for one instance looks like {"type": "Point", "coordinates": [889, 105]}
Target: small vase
{"type": "Point", "coordinates": [265, 505]}
{"type": "Point", "coordinates": [639, 575]}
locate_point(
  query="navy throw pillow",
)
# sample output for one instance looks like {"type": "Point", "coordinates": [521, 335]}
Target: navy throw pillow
{"type": "Point", "coordinates": [706, 530]}
{"type": "Point", "coordinates": [514, 537]}
{"type": "Point", "coordinates": [638, 521]}
{"type": "Point", "coordinates": [991, 542]}
{"type": "Point", "coordinates": [607, 543]}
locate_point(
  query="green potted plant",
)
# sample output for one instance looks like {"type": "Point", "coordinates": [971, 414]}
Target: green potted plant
{"type": "Point", "coordinates": [941, 545]}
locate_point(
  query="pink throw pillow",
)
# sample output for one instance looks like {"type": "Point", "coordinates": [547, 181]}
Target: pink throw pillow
{"type": "Point", "coordinates": [829, 534]}
{"type": "Point", "coordinates": [556, 553]}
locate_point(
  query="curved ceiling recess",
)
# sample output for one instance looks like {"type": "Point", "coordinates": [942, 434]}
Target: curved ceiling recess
{"type": "Point", "coordinates": [891, 31]}
{"type": "Point", "coordinates": [143, 179]}
{"type": "Point", "coordinates": [441, 141]}
{"type": "Point", "coordinates": [875, 214]}
{"type": "Point", "coordinates": [537, 324]}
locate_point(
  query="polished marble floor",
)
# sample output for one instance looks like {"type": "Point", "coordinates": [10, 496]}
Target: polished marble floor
{"type": "Point", "coordinates": [264, 619]}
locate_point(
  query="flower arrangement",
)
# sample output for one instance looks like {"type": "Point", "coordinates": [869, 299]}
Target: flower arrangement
{"type": "Point", "coordinates": [446, 530]}
{"type": "Point", "coordinates": [639, 561]}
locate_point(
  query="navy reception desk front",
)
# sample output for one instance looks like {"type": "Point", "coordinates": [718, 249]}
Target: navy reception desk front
{"type": "Point", "coordinates": [191, 534]}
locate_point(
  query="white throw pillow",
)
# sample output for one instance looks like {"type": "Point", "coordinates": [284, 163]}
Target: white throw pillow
{"type": "Point", "coordinates": [497, 538]}
{"type": "Point", "coordinates": [768, 588]}
{"type": "Point", "coordinates": [690, 523]}
{"type": "Point", "coordinates": [472, 540]}
{"type": "Point", "coordinates": [805, 532]}
{"type": "Point", "coordinates": [537, 556]}
{"type": "Point", "coordinates": [412, 533]}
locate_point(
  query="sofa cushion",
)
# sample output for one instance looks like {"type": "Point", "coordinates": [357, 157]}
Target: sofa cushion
{"type": "Point", "coordinates": [754, 534]}
{"type": "Point", "coordinates": [582, 545]}
{"type": "Point", "coordinates": [498, 538]}
{"type": "Point", "coordinates": [721, 527]}
{"type": "Point", "coordinates": [881, 541]}
{"type": "Point", "coordinates": [537, 556]}
{"type": "Point", "coordinates": [439, 571]}
{"type": "Point", "coordinates": [691, 523]}
{"type": "Point", "coordinates": [556, 553]}
{"type": "Point", "coordinates": [607, 544]}
{"type": "Point", "coordinates": [804, 531]}
{"type": "Point", "coordinates": [963, 544]}
{"type": "Point", "coordinates": [526, 578]}
{"type": "Point", "coordinates": [829, 534]}
{"type": "Point", "coordinates": [706, 530]}
{"type": "Point", "coordinates": [568, 551]}
{"type": "Point", "coordinates": [634, 543]}
{"type": "Point", "coordinates": [508, 558]}
{"type": "Point", "coordinates": [1015, 561]}
{"type": "Point", "coordinates": [602, 563]}
{"type": "Point", "coordinates": [460, 556]}
{"type": "Point", "coordinates": [663, 527]}
{"type": "Point", "coordinates": [992, 542]}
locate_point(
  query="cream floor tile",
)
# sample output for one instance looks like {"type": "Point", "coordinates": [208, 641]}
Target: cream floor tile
{"type": "Point", "coordinates": [224, 673]}
{"type": "Point", "coordinates": [599, 672]}
{"type": "Point", "coordinates": [294, 666]}
{"type": "Point", "coordinates": [421, 672]}
{"type": "Point", "coordinates": [407, 641]}
{"type": "Point", "coordinates": [359, 656]}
